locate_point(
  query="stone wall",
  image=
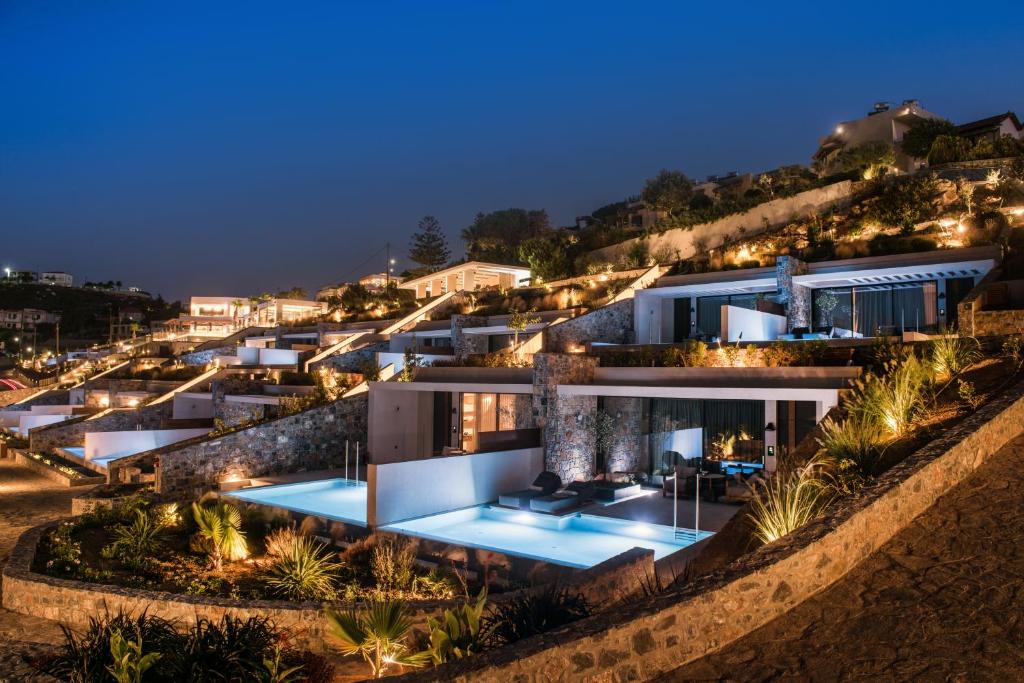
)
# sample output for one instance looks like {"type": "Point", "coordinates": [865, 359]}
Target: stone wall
{"type": "Point", "coordinates": [625, 447]}
{"type": "Point", "coordinates": [10, 397]}
{"type": "Point", "coordinates": [309, 440]}
{"type": "Point", "coordinates": [612, 323]}
{"type": "Point", "coordinates": [466, 344]}
{"type": "Point", "coordinates": [233, 413]}
{"type": "Point", "coordinates": [657, 634]}
{"type": "Point", "coordinates": [567, 423]}
{"type": "Point", "coordinates": [205, 357]}
{"type": "Point", "coordinates": [73, 602]}
{"type": "Point", "coordinates": [993, 323]}
{"type": "Point", "coordinates": [72, 432]}
{"type": "Point", "coordinates": [54, 397]}
{"type": "Point", "coordinates": [682, 242]}
{"type": "Point", "coordinates": [353, 361]}
{"type": "Point", "coordinates": [795, 298]}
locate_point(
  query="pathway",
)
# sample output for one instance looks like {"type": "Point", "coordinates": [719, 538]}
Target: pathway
{"type": "Point", "coordinates": [939, 602]}
{"type": "Point", "coordinates": [26, 500]}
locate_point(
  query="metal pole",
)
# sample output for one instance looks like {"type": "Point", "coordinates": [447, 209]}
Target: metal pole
{"type": "Point", "coordinates": [357, 461]}
{"type": "Point", "coordinates": [696, 500]}
{"type": "Point", "coordinates": [346, 461]}
{"type": "Point", "coordinates": [675, 502]}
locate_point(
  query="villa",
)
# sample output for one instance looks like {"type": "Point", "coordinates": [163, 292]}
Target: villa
{"type": "Point", "coordinates": [467, 277]}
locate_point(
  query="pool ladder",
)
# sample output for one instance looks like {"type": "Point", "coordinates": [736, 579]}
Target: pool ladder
{"type": "Point", "coordinates": [688, 535]}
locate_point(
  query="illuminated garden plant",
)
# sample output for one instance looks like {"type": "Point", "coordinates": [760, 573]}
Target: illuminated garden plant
{"type": "Point", "coordinates": [951, 354]}
{"type": "Point", "coordinates": [788, 501]}
{"type": "Point", "coordinates": [378, 636]}
{"type": "Point", "coordinates": [894, 399]}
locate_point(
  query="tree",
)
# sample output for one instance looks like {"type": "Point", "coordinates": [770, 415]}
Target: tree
{"type": "Point", "coordinates": [669, 191]}
{"type": "Point", "coordinates": [293, 293]}
{"type": "Point", "coordinates": [917, 141]}
{"type": "Point", "coordinates": [496, 236]}
{"type": "Point", "coordinates": [546, 256]}
{"type": "Point", "coordinates": [949, 148]}
{"type": "Point", "coordinates": [220, 532]}
{"type": "Point", "coordinates": [518, 322]}
{"type": "Point", "coordinates": [869, 159]}
{"type": "Point", "coordinates": [429, 247]}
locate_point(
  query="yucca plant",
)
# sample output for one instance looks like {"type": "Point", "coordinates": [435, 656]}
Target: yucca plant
{"type": "Point", "coordinates": [951, 354]}
{"type": "Point", "coordinates": [787, 501]}
{"type": "Point", "coordinates": [304, 571]}
{"type": "Point", "coordinates": [459, 633]}
{"type": "Point", "coordinates": [378, 636]}
{"type": "Point", "coordinates": [140, 539]}
{"type": "Point", "coordinates": [857, 439]}
{"type": "Point", "coordinates": [220, 532]}
{"type": "Point", "coordinates": [893, 399]}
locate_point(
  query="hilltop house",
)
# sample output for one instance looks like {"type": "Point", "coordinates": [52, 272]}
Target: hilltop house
{"type": "Point", "coordinates": [467, 277]}
{"type": "Point", "coordinates": [882, 124]}
{"type": "Point", "coordinates": [992, 128]}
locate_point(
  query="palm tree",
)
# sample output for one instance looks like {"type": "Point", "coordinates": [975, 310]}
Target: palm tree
{"type": "Point", "coordinates": [379, 637]}
{"type": "Point", "coordinates": [236, 306]}
{"type": "Point", "coordinates": [220, 529]}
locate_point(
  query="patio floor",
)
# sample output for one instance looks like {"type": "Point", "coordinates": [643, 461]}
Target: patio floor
{"type": "Point", "coordinates": [654, 509]}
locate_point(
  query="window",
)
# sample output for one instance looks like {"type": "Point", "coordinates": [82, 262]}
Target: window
{"type": "Point", "coordinates": [709, 310]}
{"type": "Point", "coordinates": [876, 308]}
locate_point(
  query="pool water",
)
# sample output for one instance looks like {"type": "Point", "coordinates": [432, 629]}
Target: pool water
{"type": "Point", "coordinates": [79, 451]}
{"type": "Point", "coordinates": [576, 540]}
{"type": "Point", "coordinates": [343, 500]}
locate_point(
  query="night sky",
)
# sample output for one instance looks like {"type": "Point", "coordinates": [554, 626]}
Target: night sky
{"type": "Point", "coordinates": [195, 148]}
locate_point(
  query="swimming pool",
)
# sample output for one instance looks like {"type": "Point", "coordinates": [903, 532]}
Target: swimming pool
{"type": "Point", "coordinates": [343, 500]}
{"type": "Point", "coordinates": [576, 540]}
{"type": "Point", "coordinates": [102, 462]}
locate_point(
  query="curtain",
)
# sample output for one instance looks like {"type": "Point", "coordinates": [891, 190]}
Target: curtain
{"type": "Point", "coordinates": [709, 315]}
{"type": "Point", "coordinates": [727, 416]}
{"type": "Point", "coordinates": [914, 306]}
{"type": "Point", "coordinates": [874, 310]}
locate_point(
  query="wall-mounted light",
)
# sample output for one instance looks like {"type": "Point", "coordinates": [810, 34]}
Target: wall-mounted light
{"type": "Point", "coordinates": [770, 427]}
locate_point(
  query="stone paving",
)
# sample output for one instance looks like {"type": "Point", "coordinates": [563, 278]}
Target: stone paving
{"type": "Point", "coordinates": [940, 602]}
{"type": "Point", "coordinates": [26, 500]}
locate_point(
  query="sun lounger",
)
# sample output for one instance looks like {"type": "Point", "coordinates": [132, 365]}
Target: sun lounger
{"type": "Point", "coordinates": [545, 484]}
{"type": "Point", "coordinates": [575, 494]}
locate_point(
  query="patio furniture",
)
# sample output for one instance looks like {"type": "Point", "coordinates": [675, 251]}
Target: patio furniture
{"type": "Point", "coordinates": [575, 494]}
{"type": "Point", "coordinates": [608, 491]}
{"type": "Point", "coordinates": [687, 483]}
{"type": "Point", "coordinates": [545, 484]}
{"type": "Point", "coordinates": [714, 484]}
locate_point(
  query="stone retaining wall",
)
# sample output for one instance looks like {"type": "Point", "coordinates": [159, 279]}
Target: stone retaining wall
{"type": "Point", "coordinates": [353, 361]}
{"type": "Point", "coordinates": [309, 440]}
{"type": "Point", "coordinates": [612, 324]}
{"type": "Point", "coordinates": [205, 357]}
{"type": "Point", "coordinates": [660, 633]}
{"type": "Point", "coordinates": [10, 397]}
{"type": "Point", "coordinates": [72, 432]}
{"type": "Point", "coordinates": [74, 602]}
{"type": "Point", "coordinates": [50, 398]}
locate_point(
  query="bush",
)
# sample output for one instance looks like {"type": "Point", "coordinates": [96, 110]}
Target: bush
{"type": "Point", "coordinates": [534, 612]}
{"type": "Point", "coordinates": [894, 399]}
{"type": "Point", "coordinates": [460, 632]}
{"type": "Point", "coordinates": [136, 543]}
{"type": "Point", "coordinates": [378, 635]}
{"type": "Point", "coordinates": [391, 563]}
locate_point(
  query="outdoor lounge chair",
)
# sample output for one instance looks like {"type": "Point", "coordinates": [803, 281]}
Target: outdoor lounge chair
{"type": "Point", "coordinates": [545, 484]}
{"type": "Point", "coordinates": [575, 494]}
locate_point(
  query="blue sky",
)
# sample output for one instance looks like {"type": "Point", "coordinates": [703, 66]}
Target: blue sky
{"type": "Point", "coordinates": [232, 148]}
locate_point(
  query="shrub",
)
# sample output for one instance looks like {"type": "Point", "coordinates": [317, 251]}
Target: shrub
{"type": "Point", "coordinates": [304, 571]}
{"type": "Point", "coordinates": [951, 354]}
{"type": "Point", "coordinates": [534, 612]}
{"type": "Point", "coordinates": [459, 633]}
{"type": "Point", "coordinates": [87, 658]}
{"type": "Point", "coordinates": [853, 439]}
{"type": "Point", "coordinates": [378, 636]}
{"type": "Point", "coordinates": [779, 355]}
{"type": "Point", "coordinates": [231, 649]}
{"type": "Point", "coordinates": [391, 563]}
{"type": "Point", "coordinates": [129, 662]}
{"type": "Point", "coordinates": [220, 535]}
{"type": "Point", "coordinates": [136, 543]}
{"type": "Point", "coordinates": [787, 501]}
{"type": "Point", "coordinates": [894, 399]}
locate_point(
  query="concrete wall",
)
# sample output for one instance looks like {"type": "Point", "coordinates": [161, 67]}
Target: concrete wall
{"type": "Point", "coordinates": [743, 324]}
{"type": "Point", "coordinates": [612, 324]}
{"type": "Point", "coordinates": [400, 425]}
{"type": "Point", "coordinates": [403, 490]}
{"type": "Point", "coordinates": [105, 444]}
{"type": "Point", "coordinates": [655, 635]}
{"type": "Point", "coordinates": [681, 241]}
{"type": "Point", "coordinates": [189, 406]}
{"type": "Point", "coordinates": [312, 439]}
{"type": "Point", "coordinates": [32, 420]}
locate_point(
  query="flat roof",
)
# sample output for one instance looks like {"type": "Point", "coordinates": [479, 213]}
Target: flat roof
{"type": "Point", "coordinates": [469, 265]}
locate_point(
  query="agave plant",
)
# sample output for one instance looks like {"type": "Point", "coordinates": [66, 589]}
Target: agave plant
{"type": "Point", "coordinates": [951, 354]}
{"type": "Point", "coordinates": [459, 633]}
{"type": "Point", "coordinates": [220, 532]}
{"type": "Point", "coordinates": [140, 539]}
{"type": "Point", "coordinates": [787, 501]}
{"type": "Point", "coordinates": [304, 571]}
{"type": "Point", "coordinates": [378, 636]}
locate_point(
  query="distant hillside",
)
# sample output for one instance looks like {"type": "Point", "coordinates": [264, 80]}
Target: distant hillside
{"type": "Point", "coordinates": [85, 313]}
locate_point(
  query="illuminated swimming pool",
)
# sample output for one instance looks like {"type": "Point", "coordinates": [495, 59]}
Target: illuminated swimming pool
{"type": "Point", "coordinates": [103, 462]}
{"type": "Point", "coordinates": [343, 500]}
{"type": "Point", "coordinates": [577, 540]}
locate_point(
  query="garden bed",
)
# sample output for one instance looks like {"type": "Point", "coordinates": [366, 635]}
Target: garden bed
{"type": "Point", "coordinates": [57, 469]}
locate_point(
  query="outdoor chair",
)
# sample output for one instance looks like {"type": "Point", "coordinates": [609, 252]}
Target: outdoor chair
{"type": "Point", "coordinates": [687, 482]}
{"type": "Point", "coordinates": [545, 484]}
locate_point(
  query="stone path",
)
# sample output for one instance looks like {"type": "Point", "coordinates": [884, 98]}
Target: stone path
{"type": "Point", "coordinates": [26, 499]}
{"type": "Point", "coordinates": [940, 602]}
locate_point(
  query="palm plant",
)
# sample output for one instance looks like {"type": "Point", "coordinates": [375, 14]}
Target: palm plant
{"type": "Point", "coordinates": [304, 571]}
{"type": "Point", "coordinates": [140, 539]}
{"type": "Point", "coordinates": [220, 531]}
{"type": "Point", "coordinates": [787, 501]}
{"type": "Point", "coordinates": [951, 354]}
{"type": "Point", "coordinates": [459, 633]}
{"type": "Point", "coordinates": [378, 637]}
